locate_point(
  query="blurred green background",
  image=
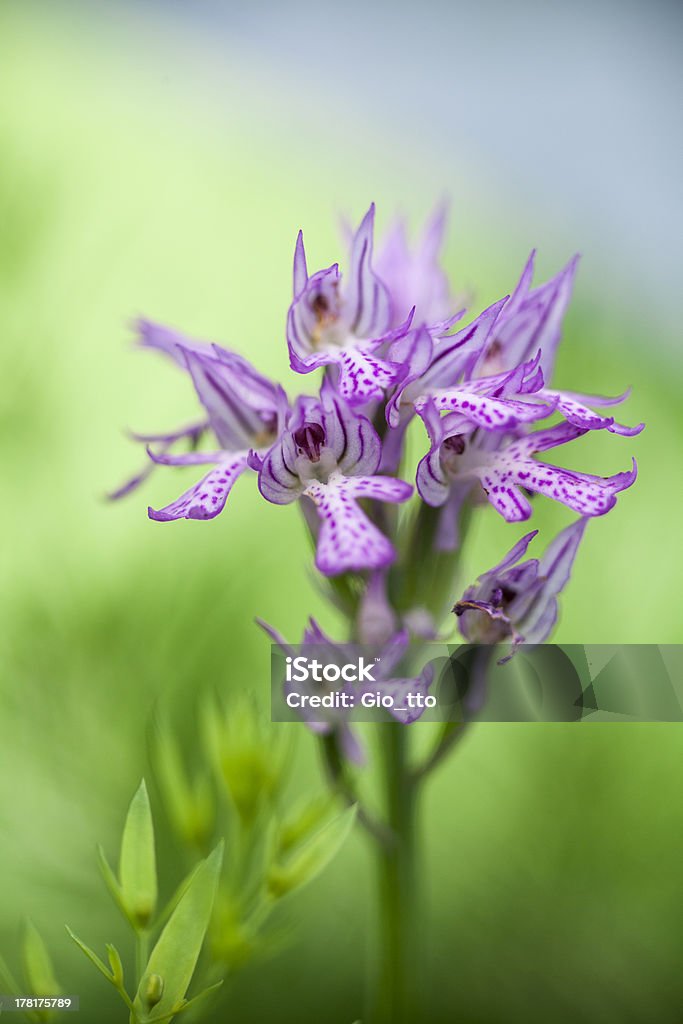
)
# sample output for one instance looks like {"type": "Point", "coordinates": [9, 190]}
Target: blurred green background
{"type": "Point", "coordinates": [135, 178]}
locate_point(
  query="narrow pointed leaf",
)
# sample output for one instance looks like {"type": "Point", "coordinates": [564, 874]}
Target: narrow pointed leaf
{"type": "Point", "coordinates": [38, 969]}
{"type": "Point", "coordinates": [303, 821]}
{"type": "Point", "coordinates": [115, 963]}
{"type": "Point", "coordinates": [7, 980]}
{"type": "Point", "coordinates": [137, 865]}
{"type": "Point", "coordinates": [111, 881]}
{"type": "Point", "coordinates": [175, 955]}
{"type": "Point", "coordinates": [92, 957]}
{"type": "Point", "coordinates": [312, 857]}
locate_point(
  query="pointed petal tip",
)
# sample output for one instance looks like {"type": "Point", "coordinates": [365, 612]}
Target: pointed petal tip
{"type": "Point", "coordinates": [157, 516]}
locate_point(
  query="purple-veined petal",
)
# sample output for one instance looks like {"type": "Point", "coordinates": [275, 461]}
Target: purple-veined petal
{"type": "Point", "coordinates": [278, 479]}
{"type": "Point", "coordinates": [363, 376]}
{"type": "Point", "coordinates": [584, 493]}
{"type": "Point", "coordinates": [252, 389]}
{"type": "Point", "coordinates": [224, 392]}
{"type": "Point", "coordinates": [367, 310]}
{"type": "Point", "coordinates": [534, 320]}
{"type": "Point", "coordinates": [131, 484]}
{"type": "Point", "coordinates": [192, 433]}
{"type": "Point", "coordinates": [431, 479]}
{"type": "Point", "coordinates": [300, 271]}
{"type": "Point", "coordinates": [348, 540]}
{"type": "Point", "coordinates": [448, 528]}
{"type": "Point", "coordinates": [393, 445]}
{"type": "Point", "coordinates": [505, 497]}
{"type": "Point", "coordinates": [207, 498]}
{"type": "Point", "coordinates": [413, 274]}
{"type": "Point", "coordinates": [203, 458]}
{"type": "Point", "coordinates": [169, 341]}
{"type": "Point", "coordinates": [502, 414]}
{"type": "Point", "coordinates": [516, 552]}
{"type": "Point", "coordinates": [314, 312]}
{"type": "Point", "coordinates": [554, 571]}
{"type": "Point", "coordinates": [576, 409]}
{"type": "Point", "coordinates": [350, 436]}
{"type": "Point", "coordinates": [414, 353]}
{"type": "Point", "coordinates": [380, 488]}
{"type": "Point", "coordinates": [432, 483]}
{"type": "Point", "coordinates": [452, 353]}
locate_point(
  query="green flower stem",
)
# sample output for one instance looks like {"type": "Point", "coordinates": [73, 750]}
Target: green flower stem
{"type": "Point", "coordinates": [398, 968]}
{"type": "Point", "coordinates": [338, 778]}
{"type": "Point", "coordinates": [141, 953]}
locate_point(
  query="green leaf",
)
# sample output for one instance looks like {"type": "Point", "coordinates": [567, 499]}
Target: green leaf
{"type": "Point", "coordinates": [175, 955]}
{"type": "Point", "coordinates": [301, 822]}
{"type": "Point", "coordinates": [38, 969]}
{"type": "Point", "coordinates": [111, 881]}
{"type": "Point", "coordinates": [7, 980]}
{"type": "Point", "coordinates": [94, 959]}
{"type": "Point", "coordinates": [137, 864]}
{"type": "Point", "coordinates": [114, 958]}
{"type": "Point", "coordinates": [312, 857]}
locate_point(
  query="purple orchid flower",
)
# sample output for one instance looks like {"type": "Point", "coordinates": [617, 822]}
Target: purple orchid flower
{"type": "Point", "coordinates": [244, 411]}
{"type": "Point", "coordinates": [502, 470]}
{"type": "Point", "coordinates": [500, 402]}
{"type": "Point", "coordinates": [329, 454]}
{"type": "Point", "coordinates": [323, 721]}
{"type": "Point", "coordinates": [429, 363]}
{"type": "Point", "coordinates": [347, 328]}
{"type": "Point", "coordinates": [516, 600]}
{"type": "Point", "coordinates": [530, 322]}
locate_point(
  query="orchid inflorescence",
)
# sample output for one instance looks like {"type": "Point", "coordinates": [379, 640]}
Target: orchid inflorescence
{"type": "Point", "coordinates": [388, 336]}
{"type": "Point", "coordinates": [389, 340]}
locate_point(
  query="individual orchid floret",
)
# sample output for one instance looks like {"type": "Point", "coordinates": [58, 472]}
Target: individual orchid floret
{"type": "Point", "coordinates": [245, 411]}
{"type": "Point", "coordinates": [322, 721]}
{"type": "Point", "coordinates": [329, 454]}
{"type": "Point", "coordinates": [500, 402]}
{"type": "Point", "coordinates": [413, 274]}
{"type": "Point", "coordinates": [506, 471]}
{"type": "Point", "coordinates": [344, 323]}
{"type": "Point", "coordinates": [386, 681]}
{"type": "Point", "coordinates": [377, 621]}
{"type": "Point", "coordinates": [531, 322]}
{"type": "Point", "coordinates": [429, 364]}
{"type": "Point", "coordinates": [517, 600]}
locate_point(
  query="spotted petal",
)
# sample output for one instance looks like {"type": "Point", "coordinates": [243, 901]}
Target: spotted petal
{"type": "Point", "coordinates": [576, 409]}
{"type": "Point", "coordinates": [363, 376]}
{"type": "Point", "coordinates": [207, 498]}
{"type": "Point", "coordinates": [348, 540]}
{"type": "Point", "coordinates": [503, 473]}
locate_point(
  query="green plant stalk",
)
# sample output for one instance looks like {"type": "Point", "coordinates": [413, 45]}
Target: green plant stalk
{"type": "Point", "coordinates": [398, 969]}
{"type": "Point", "coordinates": [141, 953]}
